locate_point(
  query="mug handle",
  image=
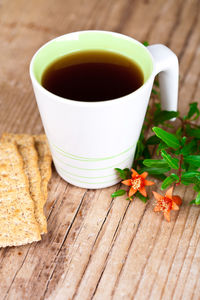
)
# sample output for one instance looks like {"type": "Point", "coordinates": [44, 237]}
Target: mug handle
{"type": "Point", "coordinates": [166, 64]}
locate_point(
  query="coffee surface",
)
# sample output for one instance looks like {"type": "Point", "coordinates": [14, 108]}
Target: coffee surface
{"type": "Point", "coordinates": [92, 76]}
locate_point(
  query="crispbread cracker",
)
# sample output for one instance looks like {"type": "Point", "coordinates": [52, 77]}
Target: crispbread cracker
{"type": "Point", "coordinates": [18, 225]}
{"type": "Point", "coordinates": [25, 144]}
{"type": "Point", "coordinates": [44, 161]}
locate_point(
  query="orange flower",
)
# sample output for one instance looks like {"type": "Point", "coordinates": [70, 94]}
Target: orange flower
{"type": "Point", "coordinates": [137, 183]}
{"type": "Point", "coordinates": [167, 203]}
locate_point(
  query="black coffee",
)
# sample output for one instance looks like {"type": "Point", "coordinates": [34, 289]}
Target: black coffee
{"type": "Point", "coordinates": [92, 76]}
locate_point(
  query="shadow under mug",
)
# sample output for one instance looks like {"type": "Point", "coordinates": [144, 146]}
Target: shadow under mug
{"type": "Point", "coordinates": [88, 140]}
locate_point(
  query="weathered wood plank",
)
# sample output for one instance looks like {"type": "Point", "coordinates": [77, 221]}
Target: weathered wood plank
{"type": "Point", "coordinates": [190, 261]}
{"type": "Point", "coordinates": [82, 248]}
{"type": "Point", "coordinates": [117, 257]}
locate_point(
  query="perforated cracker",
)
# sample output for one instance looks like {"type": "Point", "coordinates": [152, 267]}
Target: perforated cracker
{"type": "Point", "coordinates": [18, 225]}
{"type": "Point", "coordinates": [44, 161]}
{"type": "Point", "coordinates": [25, 144]}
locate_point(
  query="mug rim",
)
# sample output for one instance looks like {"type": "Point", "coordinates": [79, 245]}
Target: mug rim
{"type": "Point", "coordinates": [93, 103]}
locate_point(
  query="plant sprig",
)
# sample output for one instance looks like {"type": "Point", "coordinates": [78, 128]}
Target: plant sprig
{"type": "Point", "coordinates": [173, 157]}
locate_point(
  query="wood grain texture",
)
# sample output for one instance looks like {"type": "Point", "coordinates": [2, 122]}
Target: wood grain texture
{"type": "Point", "coordinates": [96, 247]}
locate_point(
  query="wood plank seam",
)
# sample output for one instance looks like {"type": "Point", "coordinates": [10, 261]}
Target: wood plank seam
{"type": "Point", "coordinates": [56, 200]}
{"type": "Point", "coordinates": [161, 260]}
{"type": "Point", "coordinates": [31, 26]}
{"type": "Point", "coordinates": [163, 288]}
{"type": "Point", "coordinates": [194, 290]}
{"type": "Point", "coordinates": [186, 251]}
{"type": "Point", "coordinates": [110, 251]}
{"type": "Point", "coordinates": [189, 35]}
{"type": "Point", "coordinates": [59, 250]}
{"type": "Point", "coordinates": [8, 290]}
{"type": "Point", "coordinates": [158, 17]}
{"type": "Point", "coordinates": [110, 206]}
{"type": "Point", "coordinates": [22, 111]}
{"type": "Point", "coordinates": [132, 240]}
{"type": "Point", "coordinates": [125, 16]}
{"type": "Point", "coordinates": [106, 259]}
{"type": "Point", "coordinates": [107, 11]}
{"type": "Point", "coordinates": [184, 78]}
{"type": "Point", "coordinates": [166, 250]}
{"type": "Point", "coordinates": [195, 88]}
{"type": "Point", "coordinates": [180, 11]}
{"type": "Point", "coordinates": [95, 14]}
{"type": "Point", "coordinates": [3, 254]}
{"type": "Point", "coordinates": [148, 256]}
{"type": "Point", "coordinates": [96, 238]}
{"type": "Point", "coordinates": [92, 253]}
{"type": "Point", "coordinates": [80, 229]}
{"type": "Point", "coordinates": [172, 229]}
{"type": "Point", "coordinates": [64, 191]}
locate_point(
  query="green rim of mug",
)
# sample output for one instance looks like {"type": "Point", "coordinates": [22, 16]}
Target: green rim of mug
{"type": "Point", "coordinates": [92, 40]}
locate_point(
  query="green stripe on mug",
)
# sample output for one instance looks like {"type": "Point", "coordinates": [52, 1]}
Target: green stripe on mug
{"type": "Point", "coordinates": [96, 169]}
{"type": "Point", "coordinates": [76, 157]}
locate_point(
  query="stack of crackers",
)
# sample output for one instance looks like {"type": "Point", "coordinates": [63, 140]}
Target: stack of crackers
{"type": "Point", "coordinates": [25, 170]}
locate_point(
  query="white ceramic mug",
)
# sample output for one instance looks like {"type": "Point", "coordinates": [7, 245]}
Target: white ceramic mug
{"type": "Point", "coordinates": [88, 140]}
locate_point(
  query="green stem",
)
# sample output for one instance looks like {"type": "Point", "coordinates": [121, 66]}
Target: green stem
{"type": "Point", "coordinates": [180, 168]}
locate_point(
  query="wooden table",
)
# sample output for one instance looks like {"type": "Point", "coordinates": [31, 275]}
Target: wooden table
{"type": "Point", "coordinates": [96, 247]}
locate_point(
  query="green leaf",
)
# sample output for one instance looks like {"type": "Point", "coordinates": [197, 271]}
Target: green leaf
{"type": "Point", "coordinates": [159, 176]}
{"type": "Point", "coordinates": [192, 202]}
{"type": "Point", "coordinates": [161, 146]}
{"type": "Point", "coordinates": [127, 173]}
{"type": "Point", "coordinates": [154, 171]}
{"type": "Point", "coordinates": [191, 174]}
{"type": "Point", "coordinates": [141, 197]}
{"type": "Point", "coordinates": [169, 180]}
{"type": "Point", "coordinates": [197, 200]}
{"type": "Point", "coordinates": [193, 132]}
{"type": "Point", "coordinates": [145, 43]}
{"type": "Point", "coordinates": [183, 140]}
{"type": "Point", "coordinates": [193, 160]}
{"type": "Point", "coordinates": [118, 193]}
{"type": "Point", "coordinates": [146, 153]}
{"type": "Point", "coordinates": [157, 110]}
{"type": "Point", "coordinates": [153, 140]}
{"type": "Point", "coordinates": [186, 182]}
{"type": "Point", "coordinates": [192, 168]}
{"type": "Point", "coordinates": [156, 83]}
{"type": "Point", "coordinates": [172, 162]}
{"type": "Point", "coordinates": [193, 111]}
{"type": "Point", "coordinates": [155, 163]}
{"type": "Point", "coordinates": [179, 133]}
{"type": "Point", "coordinates": [123, 174]}
{"type": "Point", "coordinates": [168, 138]}
{"type": "Point", "coordinates": [197, 187]}
{"type": "Point", "coordinates": [189, 148]}
{"type": "Point", "coordinates": [165, 115]}
{"type": "Point", "coordinates": [184, 166]}
{"type": "Point", "coordinates": [190, 177]}
{"type": "Point", "coordinates": [140, 146]}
